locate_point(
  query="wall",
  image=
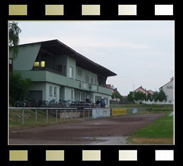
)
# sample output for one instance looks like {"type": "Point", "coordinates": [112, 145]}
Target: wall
{"type": "Point", "coordinates": [26, 57]}
{"type": "Point", "coordinates": [60, 60]}
{"type": "Point", "coordinates": [83, 77]}
{"type": "Point", "coordinates": [153, 102]}
{"type": "Point", "coordinates": [39, 86]}
{"type": "Point", "coordinates": [68, 93]}
{"type": "Point", "coordinates": [71, 63]}
{"type": "Point", "coordinates": [100, 112]}
{"type": "Point", "coordinates": [50, 97]}
{"type": "Point", "coordinates": [168, 89]}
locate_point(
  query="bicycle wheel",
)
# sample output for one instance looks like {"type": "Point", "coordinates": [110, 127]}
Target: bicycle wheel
{"type": "Point", "coordinates": [18, 104]}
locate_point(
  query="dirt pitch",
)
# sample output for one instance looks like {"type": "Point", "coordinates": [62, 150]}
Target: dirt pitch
{"type": "Point", "coordinates": [93, 132]}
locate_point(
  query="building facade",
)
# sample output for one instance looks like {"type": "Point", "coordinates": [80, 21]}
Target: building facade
{"type": "Point", "coordinates": [59, 72]}
{"type": "Point", "coordinates": [168, 89]}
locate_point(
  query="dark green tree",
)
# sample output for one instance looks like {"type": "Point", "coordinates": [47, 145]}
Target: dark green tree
{"type": "Point", "coordinates": [155, 96]}
{"type": "Point", "coordinates": [18, 87]}
{"type": "Point", "coordinates": [161, 95]}
{"type": "Point", "coordinates": [116, 95]}
{"type": "Point", "coordinates": [139, 96]}
{"type": "Point", "coordinates": [148, 96]}
{"type": "Point", "coordinates": [130, 96]}
{"type": "Point", "coordinates": [14, 32]}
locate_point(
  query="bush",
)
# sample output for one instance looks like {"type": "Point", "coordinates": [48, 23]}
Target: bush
{"type": "Point", "coordinates": [18, 87]}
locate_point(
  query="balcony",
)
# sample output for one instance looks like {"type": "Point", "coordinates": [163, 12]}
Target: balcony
{"type": "Point", "coordinates": [57, 78]}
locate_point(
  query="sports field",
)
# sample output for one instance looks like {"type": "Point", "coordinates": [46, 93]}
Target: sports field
{"type": "Point", "coordinates": [151, 125]}
{"type": "Point", "coordinates": [159, 131]}
{"type": "Point", "coordinates": [85, 132]}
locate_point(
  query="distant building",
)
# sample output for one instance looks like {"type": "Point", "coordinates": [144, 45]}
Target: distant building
{"type": "Point", "coordinates": [141, 89]}
{"type": "Point", "coordinates": [114, 90]}
{"type": "Point", "coordinates": [168, 89]}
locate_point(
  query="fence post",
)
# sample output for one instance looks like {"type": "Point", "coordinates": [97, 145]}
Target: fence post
{"type": "Point", "coordinates": [36, 116]}
{"type": "Point", "coordinates": [23, 116]}
{"type": "Point", "coordinates": [64, 114]}
{"type": "Point", "coordinates": [88, 114]}
{"type": "Point", "coordinates": [47, 116]}
{"type": "Point", "coordinates": [71, 113]}
{"type": "Point", "coordinates": [56, 115]}
{"type": "Point", "coordinates": [76, 114]}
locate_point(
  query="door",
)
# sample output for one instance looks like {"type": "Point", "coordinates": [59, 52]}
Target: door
{"type": "Point", "coordinates": [37, 95]}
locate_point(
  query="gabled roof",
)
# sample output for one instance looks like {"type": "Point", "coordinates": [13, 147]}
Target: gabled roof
{"type": "Point", "coordinates": [147, 91]}
{"type": "Point", "coordinates": [171, 79]}
{"type": "Point", "coordinates": [57, 48]}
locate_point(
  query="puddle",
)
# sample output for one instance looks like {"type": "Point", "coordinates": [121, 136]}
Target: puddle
{"type": "Point", "coordinates": [171, 114]}
{"type": "Point", "coordinates": [107, 140]}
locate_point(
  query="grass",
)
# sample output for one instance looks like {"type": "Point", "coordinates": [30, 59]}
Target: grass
{"type": "Point", "coordinates": [144, 108]}
{"type": "Point", "coordinates": [15, 119]}
{"type": "Point", "coordinates": [159, 131]}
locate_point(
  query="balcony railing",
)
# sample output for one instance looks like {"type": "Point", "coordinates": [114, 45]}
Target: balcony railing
{"type": "Point", "coordinates": [51, 70]}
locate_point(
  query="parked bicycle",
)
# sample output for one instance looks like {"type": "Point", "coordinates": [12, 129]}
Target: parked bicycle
{"type": "Point", "coordinates": [21, 103]}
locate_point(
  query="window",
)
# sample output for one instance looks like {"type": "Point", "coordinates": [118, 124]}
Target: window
{"type": "Point", "coordinates": [71, 72]}
{"type": "Point", "coordinates": [79, 72]}
{"type": "Point", "coordinates": [77, 96]}
{"type": "Point", "coordinates": [72, 93]}
{"type": "Point", "coordinates": [95, 81]}
{"type": "Point", "coordinates": [91, 80]}
{"type": "Point", "coordinates": [36, 64]}
{"type": "Point", "coordinates": [61, 69]}
{"type": "Point", "coordinates": [50, 90]}
{"type": "Point", "coordinates": [42, 63]}
{"type": "Point", "coordinates": [83, 96]}
{"type": "Point", "coordinates": [55, 91]}
{"type": "Point", "coordinates": [87, 78]}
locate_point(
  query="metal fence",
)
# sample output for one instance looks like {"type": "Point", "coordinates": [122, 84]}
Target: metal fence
{"type": "Point", "coordinates": [73, 112]}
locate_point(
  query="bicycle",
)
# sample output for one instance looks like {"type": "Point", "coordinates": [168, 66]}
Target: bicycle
{"type": "Point", "coordinates": [21, 103]}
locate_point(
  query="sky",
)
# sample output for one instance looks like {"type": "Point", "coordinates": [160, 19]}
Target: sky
{"type": "Point", "coordinates": [141, 53]}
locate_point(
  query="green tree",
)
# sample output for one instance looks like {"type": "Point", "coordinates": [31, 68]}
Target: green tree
{"type": "Point", "coordinates": [116, 95]}
{"type": "Point", "coordinates": [18, 87]}
{"type": "Point", "coordinates": [130, 96]}
{"type": "Point", "coordinates": [139, 96]}
{"type": "Point", "coordinates": [155, 96]}
{"type": "Point", "coordinates": [14, 32]}
{"type": "Point", "coordinates": [161, 95]}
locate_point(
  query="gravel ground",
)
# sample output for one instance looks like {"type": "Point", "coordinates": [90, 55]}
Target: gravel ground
{"type": "Point", "coordinates": [110, 131]}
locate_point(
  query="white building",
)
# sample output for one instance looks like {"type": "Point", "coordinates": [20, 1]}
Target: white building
{"type": "Point", "coordinates": [168, 88]}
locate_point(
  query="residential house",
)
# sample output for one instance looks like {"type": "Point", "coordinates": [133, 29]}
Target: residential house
{"type": "Point", "coordinates": [59, 72]}
{"type": "Point", "coordinates": [114, 90]}
{"type": "Point", "coordinates": [141, 89]}
{"type": "Point", "coordinates": [168, 89]}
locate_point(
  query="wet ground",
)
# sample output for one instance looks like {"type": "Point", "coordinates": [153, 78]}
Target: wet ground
{"type": "Point", "coordinates": [110, 131]}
